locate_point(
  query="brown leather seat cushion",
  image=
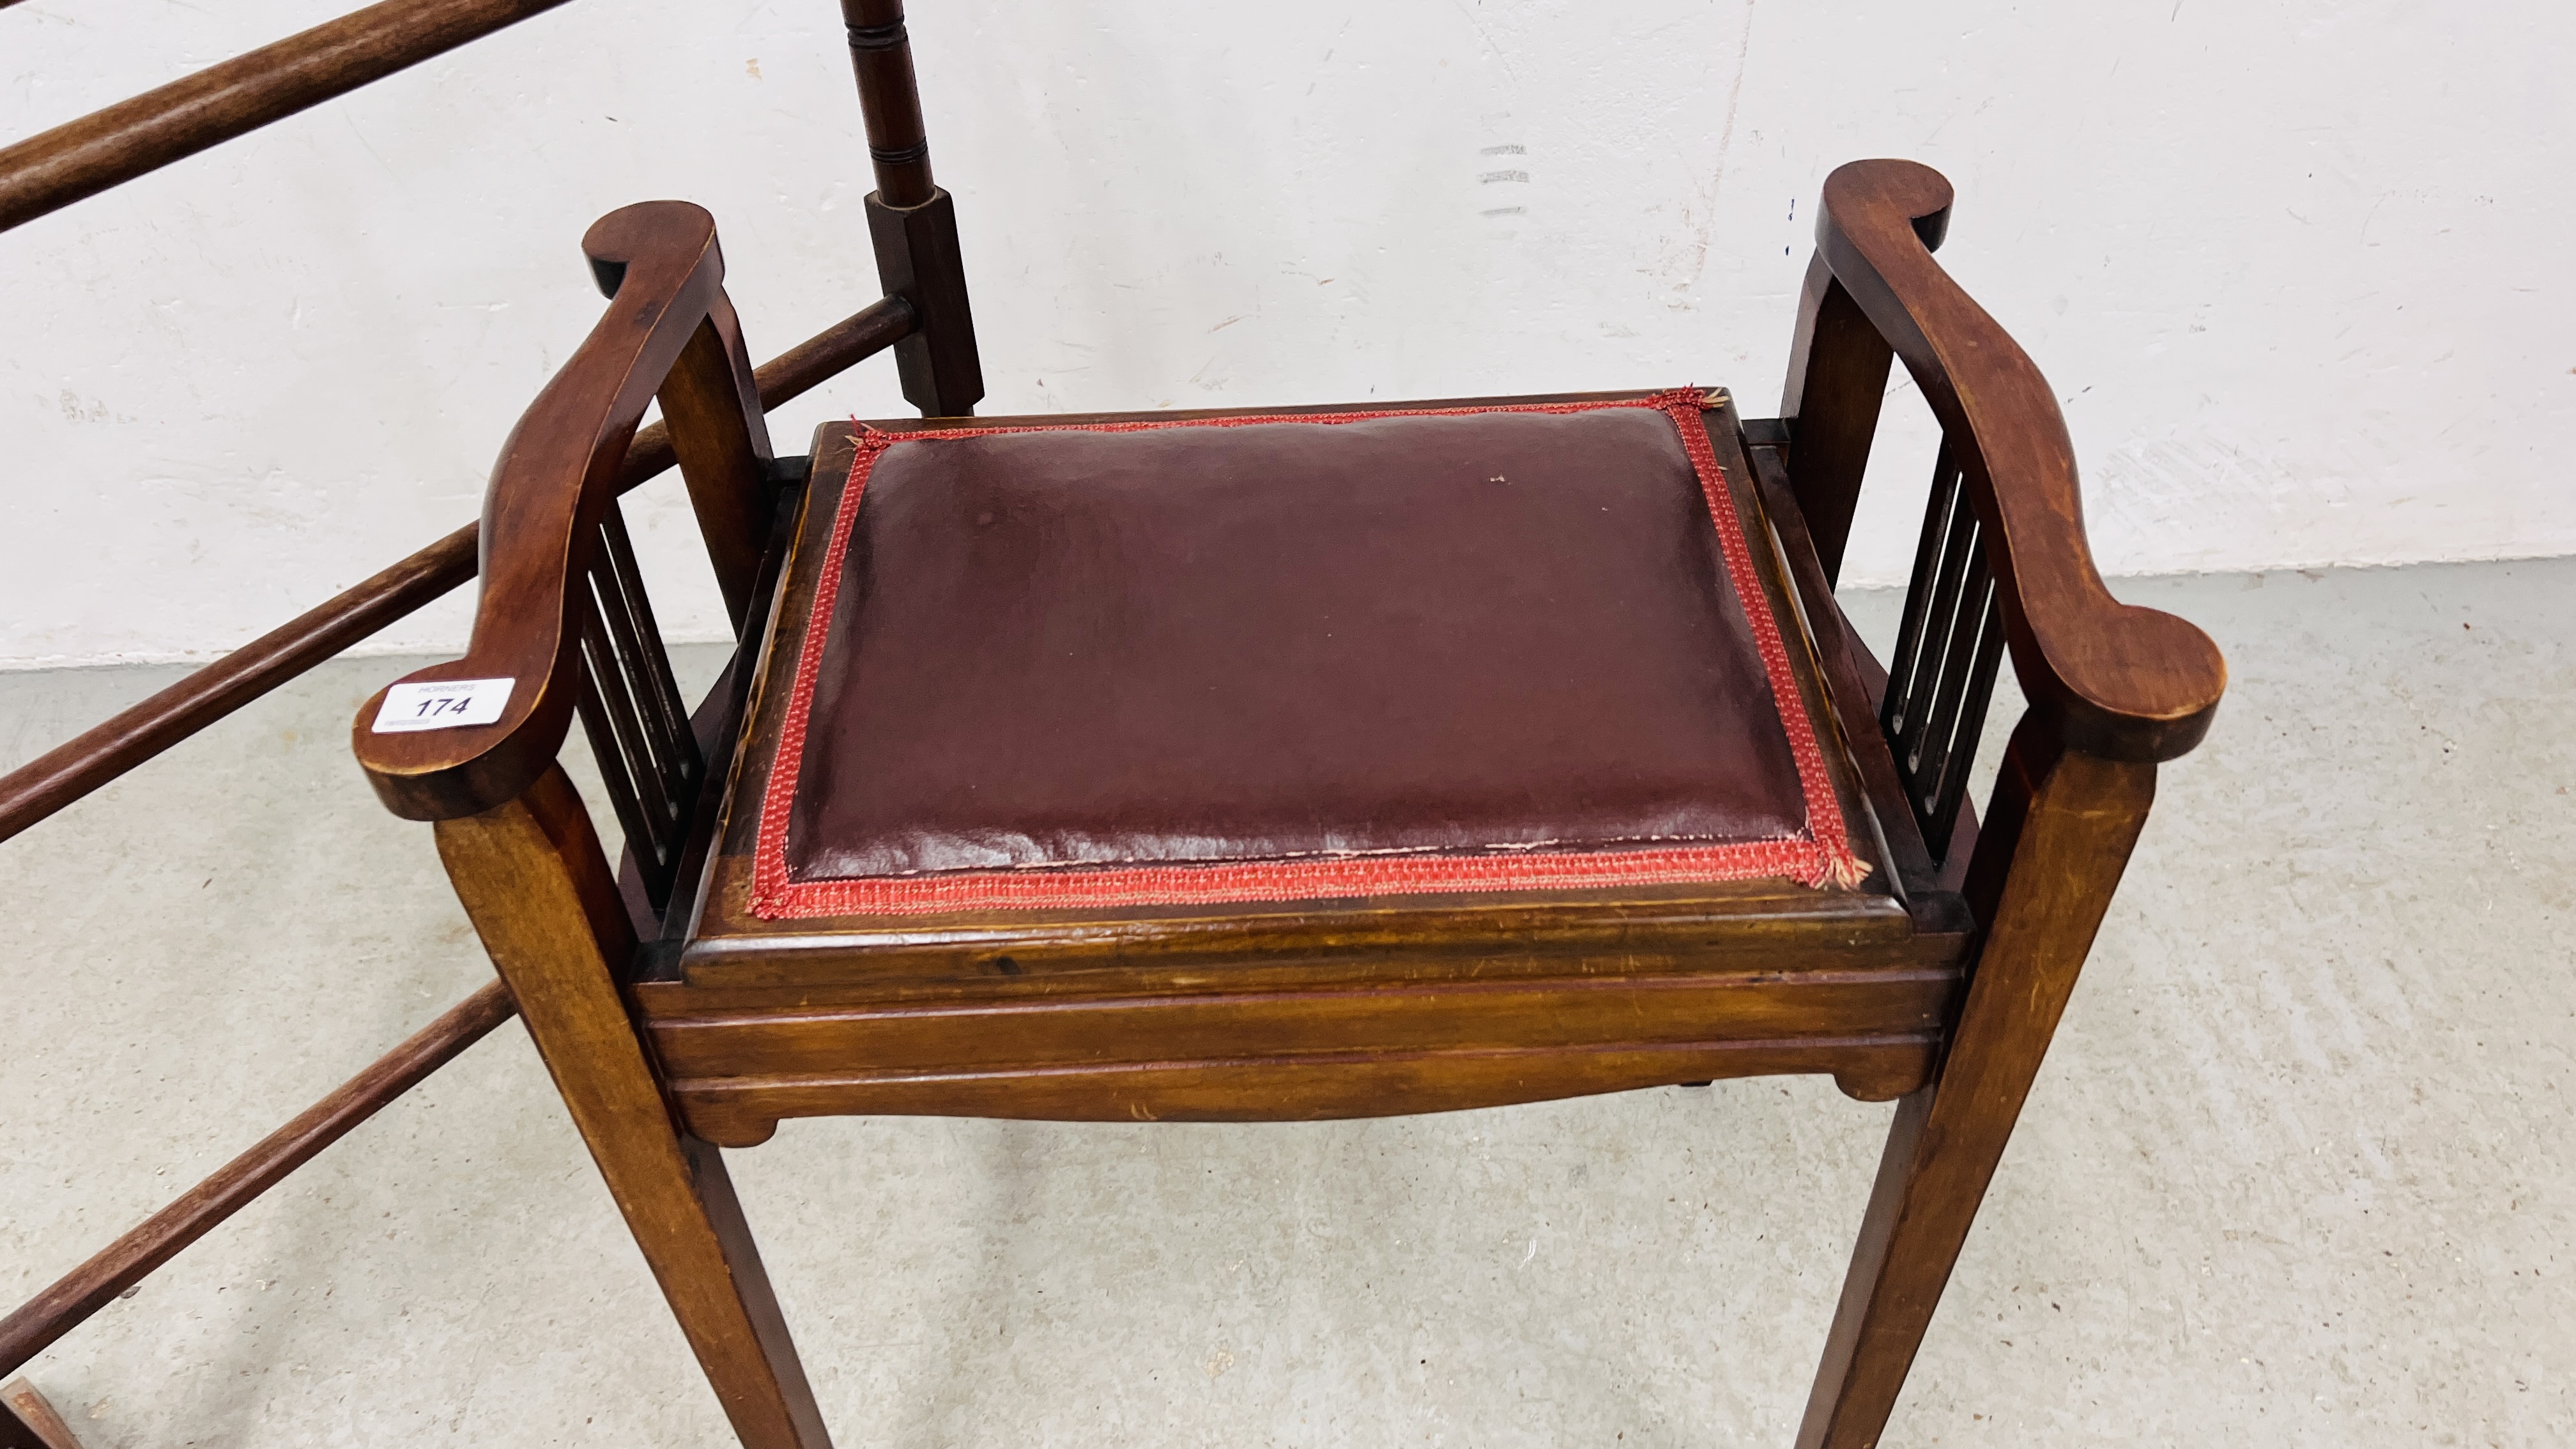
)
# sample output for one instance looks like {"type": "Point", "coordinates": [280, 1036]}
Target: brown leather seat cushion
{"type": "Point", "coordinates": [1307, 656]}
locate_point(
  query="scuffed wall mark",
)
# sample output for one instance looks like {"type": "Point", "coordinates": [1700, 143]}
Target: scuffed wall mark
{"type": "Point", "coordinates": [369, 146]}
{"type": "Point", "coordinates": [1491, 49]}
{"type": "Point", "coordinates": [2173, 503]}
{"type": "Point", "coordinates": [75, 410]}
{"type": "Point", "coordinates": [1734, 99]}
{"type": "Point", "coordinates": [1935, 133]}
{"type": "Point", "coordinates": [1328, 56]}
{"type": "Point", "coordinates": [1699, 219]}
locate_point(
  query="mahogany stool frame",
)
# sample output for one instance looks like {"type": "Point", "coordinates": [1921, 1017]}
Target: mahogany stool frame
{"type": "Point", "coordinates": [2002, 910]}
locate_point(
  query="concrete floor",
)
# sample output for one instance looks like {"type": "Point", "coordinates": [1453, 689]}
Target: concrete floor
{"type": "Point", "coordinates": [2295, 1174]}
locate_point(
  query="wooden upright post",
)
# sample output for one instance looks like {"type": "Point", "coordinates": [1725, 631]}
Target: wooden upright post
{"type": "Point", "coordinates": [721, 435]}
{"type": "Point", "coordinates": [1837, 378]}
{"type": "Point", "coordinates": [912, 222]}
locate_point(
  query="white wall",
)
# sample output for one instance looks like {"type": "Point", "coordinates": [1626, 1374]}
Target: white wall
{"type": "Point", "coordinates": [2296, 268]}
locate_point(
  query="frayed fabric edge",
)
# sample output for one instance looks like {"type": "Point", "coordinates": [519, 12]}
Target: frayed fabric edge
{"type": "Point", "coordinates": [1798, 860]}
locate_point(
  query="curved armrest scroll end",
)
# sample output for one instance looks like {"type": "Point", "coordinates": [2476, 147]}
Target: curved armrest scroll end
{"type": "Point", "coordinates": [668, 231]}
{"type": "Point", "coordinates": [2149, 696]}
{"type": "Point", "coordinates": [1920, 193]}
{"type": "Point", "coordinates": [448, 774]}
{"type": "Point", "coordinates": [558, 473]}
{"type": "Point", "coordinates": [2121, 682]}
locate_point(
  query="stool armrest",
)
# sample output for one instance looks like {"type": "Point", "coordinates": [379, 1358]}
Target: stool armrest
{"type": "Point", "coordinates": [2125, 682]}
{"type": "Point", "coordinates": [557, 476]}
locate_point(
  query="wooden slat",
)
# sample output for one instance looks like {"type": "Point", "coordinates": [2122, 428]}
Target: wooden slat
{"type": "Point", "coordinates": [1948, 649]}
{"type": "Point", "coordinates": [628, 611]}
{"type": "Point", "coordinates": [610, 750]}
{"type": "Point", "coordinates": [607, 695]}
{"type": "Point", "coordinates": [636, 701]}
{"type": "Point", "coordinates": [1914, 707]}
{"type": "Point", "coordinates": [1938, 510]}
{"type": "Point", "coordinates": [1948, 684]}
{"type": "Point", "coordinates": [1943, 820]}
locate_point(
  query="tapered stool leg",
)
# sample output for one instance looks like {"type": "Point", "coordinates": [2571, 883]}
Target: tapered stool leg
{"type": "Point", "coordinates": [2047, 861]}
{"type": "Point", "coordinates": [532, 878]}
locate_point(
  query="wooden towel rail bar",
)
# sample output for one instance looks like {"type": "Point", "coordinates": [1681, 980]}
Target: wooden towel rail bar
{"type": "Point", "coordinates": [80, 765]}
{"type": "Point", "coordinates": [107, 148]}
{"type": "Point", "coordinates": [924, 307]}
{"type": "Point", "coordinates": [65, 774]}
{"type": "Point", "coordinates": [40, 1320]}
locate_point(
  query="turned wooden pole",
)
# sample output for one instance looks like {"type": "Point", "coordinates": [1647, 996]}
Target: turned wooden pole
{"type": "Point", "coordinates": [881, 54]}
{"type": "Point", "coordinates": [911, 221]}
{"type": "Point", "coordinates": [129, 139]}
